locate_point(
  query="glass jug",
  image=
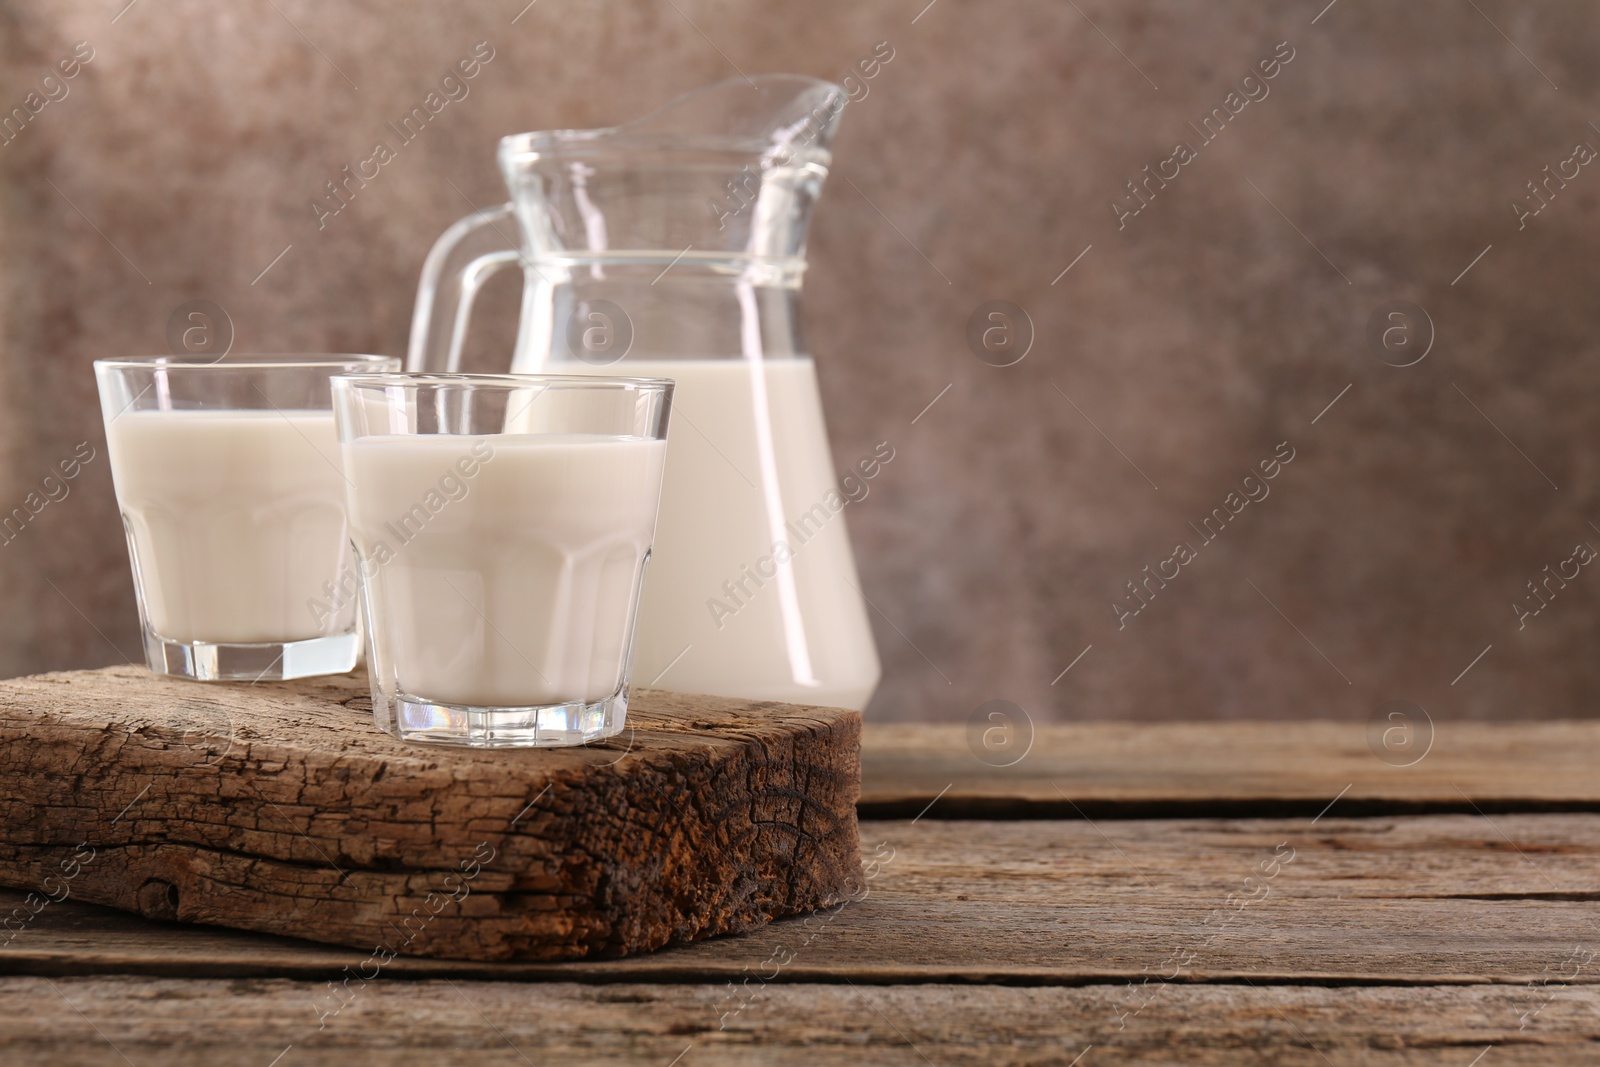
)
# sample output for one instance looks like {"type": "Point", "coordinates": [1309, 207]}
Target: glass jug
{"type": "Point", "coordinates": [674, 247]}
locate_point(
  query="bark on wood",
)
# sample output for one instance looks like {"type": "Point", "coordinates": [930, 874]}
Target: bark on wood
{"type": "Point", "coordinates": [281, 808]}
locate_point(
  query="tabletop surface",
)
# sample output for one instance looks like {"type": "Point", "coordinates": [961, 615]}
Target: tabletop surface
{"type": "Point", "coordinates": [1267, 892]}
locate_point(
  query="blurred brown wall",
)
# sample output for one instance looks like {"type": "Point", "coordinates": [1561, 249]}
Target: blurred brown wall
{"type": "Point", "coordinates": [1212, 326]}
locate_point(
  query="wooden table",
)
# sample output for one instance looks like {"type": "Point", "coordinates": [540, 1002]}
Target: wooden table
{"type": "Point", "coordinates": [1260, 893]}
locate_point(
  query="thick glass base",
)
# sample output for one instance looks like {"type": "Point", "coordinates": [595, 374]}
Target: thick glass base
{"type": "Point", "coordinates": [536, 726]}
{"type": "Point", "coordinates": [270, 661]}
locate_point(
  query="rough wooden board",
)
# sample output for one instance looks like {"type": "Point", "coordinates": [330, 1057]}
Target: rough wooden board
{"type": "Point", "coordinates": [1409, 899]}
{"type": "Point", "coordinates": [281, 808]}
{"type": "Point", "coordinates": [1232, 768]}
{"type": "Point", "coordinates": [84, 1021]}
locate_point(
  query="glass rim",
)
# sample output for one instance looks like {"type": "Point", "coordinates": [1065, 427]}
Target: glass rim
{"type": "Point", "coordinates": [244, 361]}
{"type": "Point", "coordinates": [498, 381]}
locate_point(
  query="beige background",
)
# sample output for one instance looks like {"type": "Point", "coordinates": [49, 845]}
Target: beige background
{"type": "Point", "coordinates": [1219, 323]}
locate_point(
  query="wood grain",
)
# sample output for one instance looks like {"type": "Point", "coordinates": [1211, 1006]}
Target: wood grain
{"type": "Point", "coordinates": [1408, 900]}
{"type": "Point", "coordinates": [1217, 894]}
{"type": "Point", "coordinates": [1132, 770]}
{"type": "Point", "coordinates": [118, 1020]}
{"type": "Point", "coordinates": [282, 809]}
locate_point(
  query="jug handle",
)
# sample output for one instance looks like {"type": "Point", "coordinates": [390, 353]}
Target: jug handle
{"type": "Point", "coordinates": [456, 268]}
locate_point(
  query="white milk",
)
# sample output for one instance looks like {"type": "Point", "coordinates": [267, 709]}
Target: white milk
{"type": "Point", "coordinates": [236, 519]}
{"type": "Point", "coordinates": [798, 633]}
{"type": "Point", "coordinates": [502, 571]}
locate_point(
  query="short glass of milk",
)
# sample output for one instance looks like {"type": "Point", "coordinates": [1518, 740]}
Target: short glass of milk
{"type": "Point", "coordinates": [502, 524]}
{"type": "Point", "coordinates": [231, 487]}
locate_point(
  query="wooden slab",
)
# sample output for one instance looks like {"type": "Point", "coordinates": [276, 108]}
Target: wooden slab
{"type": "Point", "coordinates": [1137, 770]}
{"type": "Point", "coordinates": [259, 1023]}
{"type": "Point", "coordinates": [282, 809]}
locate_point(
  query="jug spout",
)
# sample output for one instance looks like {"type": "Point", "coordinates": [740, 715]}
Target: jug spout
{"type": "Point", "coordinates": [721, 181]}
{"type": "Point", "coordinates": [730, 169]}
{"type": "Point", "coordinates": [777, 112]}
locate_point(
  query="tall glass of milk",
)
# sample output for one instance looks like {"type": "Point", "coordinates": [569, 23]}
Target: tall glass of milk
{"type": "Point", "coordinates": [502, 525]}
{"type": "Point", "coordinates": [674, 247]}
{"type": "Point", "coordinates": [231, 488]}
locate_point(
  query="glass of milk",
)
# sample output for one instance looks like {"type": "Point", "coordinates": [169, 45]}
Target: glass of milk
{"type": "Point", "coordinates": [502, 525]}
{"type": "Point", "coordinates": [231, 488]}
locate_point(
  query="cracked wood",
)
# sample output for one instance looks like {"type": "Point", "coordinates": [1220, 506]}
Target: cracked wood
{"type": "Point", "coordinates": [282, 809]}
